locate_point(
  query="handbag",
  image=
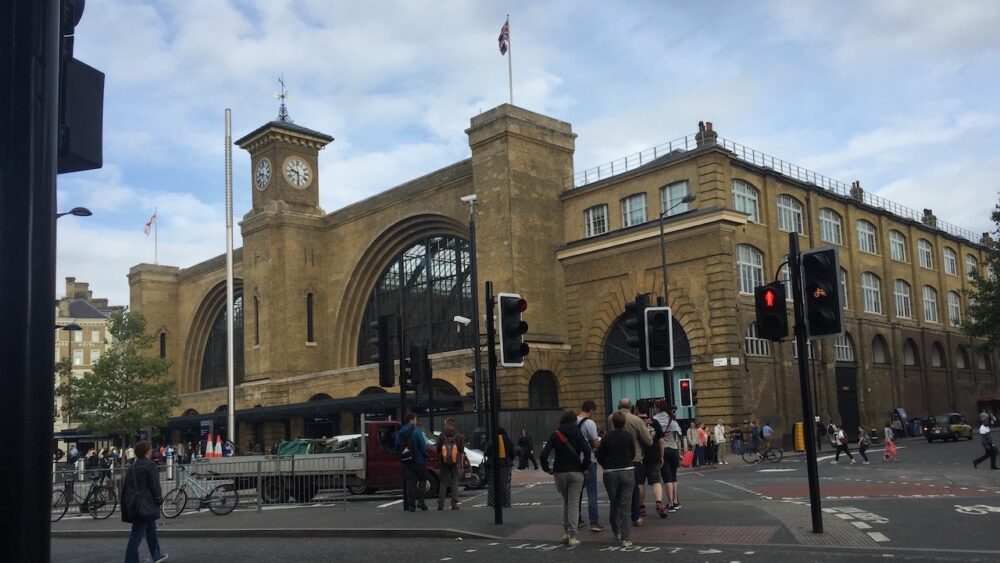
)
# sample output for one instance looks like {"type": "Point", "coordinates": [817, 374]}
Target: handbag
{"type": "Point", "coordinates": [140, 504]}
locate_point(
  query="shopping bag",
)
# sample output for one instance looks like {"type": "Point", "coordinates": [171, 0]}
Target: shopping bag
{"type": "Point", "coordinates": [688, 459]}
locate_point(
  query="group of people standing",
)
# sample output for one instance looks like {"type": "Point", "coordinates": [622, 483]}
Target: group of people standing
{"type": "Point", "coordinates": [841, 443]}
{"type": "Point", "coordinates": [639, 449]}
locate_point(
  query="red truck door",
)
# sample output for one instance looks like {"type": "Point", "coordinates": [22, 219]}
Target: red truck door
{"type": "Point", "coordinates": [382, 467]}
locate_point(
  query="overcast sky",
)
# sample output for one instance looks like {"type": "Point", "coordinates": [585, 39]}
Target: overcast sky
{"type": "Point", "coordinates": [901, 95]}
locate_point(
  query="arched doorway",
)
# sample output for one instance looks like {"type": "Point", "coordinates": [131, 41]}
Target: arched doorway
{"type": "Point", "coordinates": [623, 378]}
{"type": "Point", "coordinates": [323, 422]}
{"type": "Point", "coordinates": [543, 391]}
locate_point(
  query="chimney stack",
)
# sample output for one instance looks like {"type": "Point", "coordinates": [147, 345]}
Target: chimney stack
{"type": "Point", "coordinates": [929, 219]}
{"type": "Point", "coordinates": [856, 192]}
{"type": "Point", "coordinates": [706, 135]}
{"type": "Point", "coordinates": [986, 240]}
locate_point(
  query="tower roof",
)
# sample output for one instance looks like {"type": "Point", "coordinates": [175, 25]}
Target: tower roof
{"type": "Point", "coordinates": [320, 138]}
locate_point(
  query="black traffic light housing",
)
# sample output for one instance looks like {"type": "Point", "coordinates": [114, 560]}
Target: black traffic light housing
{"type": "Point", "coordinates": [635, 327]}
{"type": "Point", "coordinates": [381, 339]}
{"type": "Point", "coordinates": [659, 337]}
{"type": "Point", "coordinates": [513, 348]}
{"type": "Point", "coordinates": [772, 314]}
{"type": "Point", "coordinates": [821, 292]}
{"type": "Point", "coordinates": [686, 394]}
{"type": "Point", "coordinates": [81, 100]}
{"type": "Point", "coordinates": [420, 366]}
{"type": "Point", "coordinates": [470, 377]}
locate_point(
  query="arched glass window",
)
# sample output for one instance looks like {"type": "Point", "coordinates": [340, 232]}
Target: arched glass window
{"type": "Point", "coordinates": [880, 350]}
{"type": "Point", "coordinates": [971, 265]}
{"type": "Point", "coordinates": [214, 367]}
{"type": "Point", "coordinates": [745, 199]}
{"type": "Point", "coordinates": [789, 214]}
{"type": "Point", "coordinates": [871, 287]}
{"type": "Point", "coordinates": [749, 268]}
{"type": "Point", "coordinates": [756, 346]}
{"type": "Point", "coordinates": [843, 348]}
{"type": "Point", "coordinates": [926, 253]}
{"type": "Point", "coordinates": [937, 355]}
{"type": "Point", "coordinates": [633, 210]}
{"type": "Point", "coordinates": [843, 290]}
{"type": "Point", "coordinates": [954, 308]}
{"type": "Point", "coordinates": [911, 357]}
{"type": "Point", "coordinates": [903, 307]}
{"type": "Point", "coordinates": [897, 245]}
{"type": "Point", "coordinates": [950, 262]}
{"type": "Point", "coordinates": [428, 284]}
{"type": "Point", "coordinates": [867, 239]}
{"type": "Point", "coordinates": [930, 304]}
{"type": "Point", "coordinates": [831, 226]}
{"type": "Point", "coordinates": [543, 392]}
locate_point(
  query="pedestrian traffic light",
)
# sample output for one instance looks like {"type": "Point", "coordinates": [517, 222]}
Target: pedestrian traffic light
{"type": "Point", "coordinates": [81, 100]}
{"type": "Point", "coordinates": [381, 340]}
{"type": "Point", "coordinates": [513, 349]}
{"type": "Point", "coordinates": [659, 338]}
{"type": "Point", "coordinates": [821, 296]}
{"type": "Point", "coordinates": [635, 327]}
{"type": "Point", "coordinates": [772, 316]}
{"type": "Point", "coordinates": [420, 366]}
{"type": "Point", "coordinates": [687, 398]}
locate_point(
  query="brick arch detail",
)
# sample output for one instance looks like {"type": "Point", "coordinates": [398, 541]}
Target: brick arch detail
{"type": "Point", "coordinates": [384, 246]}
{"type": "Point", "coordinates": [212, 303]}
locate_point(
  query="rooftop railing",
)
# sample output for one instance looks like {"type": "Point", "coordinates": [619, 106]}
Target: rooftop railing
{"type": "Point", "coordinates": [764, 160]}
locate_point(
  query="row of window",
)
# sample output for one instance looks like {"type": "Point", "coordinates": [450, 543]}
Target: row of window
{"type": "Point", "coordinates": [843, 348]}
{"type": "Point", "coordinates": [746, 198]}
{"type": "Point", "coordinates": [78, 357]}
{"type": "Point", "coordinates": [95, 335]}
{"type": "Point", "coordinates": [750, 274]}
{"type": "Point", "coordinates": [634, 209]}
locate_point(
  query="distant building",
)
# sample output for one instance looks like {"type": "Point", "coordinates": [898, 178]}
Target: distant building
{"type": "Point", "coordinates": [577, 245]}
{"type": "Point", "coordinates": [78, 308]}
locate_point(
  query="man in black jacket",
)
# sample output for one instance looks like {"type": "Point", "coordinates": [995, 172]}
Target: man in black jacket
{"type": "Point", "coordinates": [527, 450]}
{"type": "Point", "coordinates": [615, 456]}
{"type": "Point", "coordinates": [988, 445]}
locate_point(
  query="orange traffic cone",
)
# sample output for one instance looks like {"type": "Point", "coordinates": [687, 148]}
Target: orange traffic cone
{"type": "Point", "coordinates": [218, 446]}
{"type": "Point", "coordinates": [208, 454]}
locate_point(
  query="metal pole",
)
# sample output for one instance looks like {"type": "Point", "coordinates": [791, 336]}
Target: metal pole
{"type": "Point", "coordinates": [29, 94]}
{"type": "Point", "coordinates": [802, 344]}
{"type": "Point", "coordinates": [477, 351]}
{"type": "Point", "coordinates": [667, 379]}
{"type": "Point", "coordinates": [510, 57]}
{"type": "Point", "coordinates": [402, 392]}
{"type": "Point", "coordinates": [494, 422]}
{"type": "Point", "coordinates": [230, 309]}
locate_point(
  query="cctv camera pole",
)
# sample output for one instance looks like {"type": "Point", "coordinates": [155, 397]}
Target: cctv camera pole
{"type": "Point", "coordinates": [495, 437]}
{"type": "Point", "coordinates": [477, 395]}
{"type": "Point", "coordinates": [802, 344]}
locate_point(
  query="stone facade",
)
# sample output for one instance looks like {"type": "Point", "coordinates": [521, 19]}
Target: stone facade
{"type": "Point", "coordinates": [534, 238]}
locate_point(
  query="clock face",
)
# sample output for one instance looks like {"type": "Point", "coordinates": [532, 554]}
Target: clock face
{"type": "Point", "coordinates": [297, 172]}
{"type": "Point", "coordinates": [262, 174]}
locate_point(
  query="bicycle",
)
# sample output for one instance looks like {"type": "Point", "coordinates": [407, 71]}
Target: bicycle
{"type": "Point", "coordinates": [100, 501]}
{"type": "Point", "coordinates": [221, 499]}
{"type": "Point", "coordinates": [771, 454]}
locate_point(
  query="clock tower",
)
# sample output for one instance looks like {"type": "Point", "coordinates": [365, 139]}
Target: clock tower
{"type": "Point", "coordinates": [284, 160]}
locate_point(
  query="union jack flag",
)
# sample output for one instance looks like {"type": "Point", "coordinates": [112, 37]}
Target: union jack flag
{"type": "Point", "coordinates": [504, 39]}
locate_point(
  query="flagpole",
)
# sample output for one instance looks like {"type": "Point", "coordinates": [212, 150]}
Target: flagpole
{"type": "Point", "coordinates": [510, 56]}
{"type": "Point", "coordinates": [156, 242]}
{"type": "Point", "coordinates": [230, 306]}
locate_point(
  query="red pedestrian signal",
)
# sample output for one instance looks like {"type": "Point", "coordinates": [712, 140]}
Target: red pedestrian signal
{"type": "Point", "coordinates": [772, 317]}
{"type": "Point", "coordinates": [769, 298]}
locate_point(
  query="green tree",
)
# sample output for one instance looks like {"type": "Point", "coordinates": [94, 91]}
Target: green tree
{"type": "Point", "coordinates": [127, 389]}
{"type": "Point", "coordinates": [983, 320]}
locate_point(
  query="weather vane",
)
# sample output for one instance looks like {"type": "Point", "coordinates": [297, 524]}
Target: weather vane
{"type": "Point", "coordinates": [283, 96]}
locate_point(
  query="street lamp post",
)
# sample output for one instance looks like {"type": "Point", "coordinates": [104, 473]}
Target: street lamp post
{"type": "Point", "coordinates": [477, 353]}
{"type": "Point", "coordinates": [688, 198]}
{"type": "Point", "coordinates": [70, 329]}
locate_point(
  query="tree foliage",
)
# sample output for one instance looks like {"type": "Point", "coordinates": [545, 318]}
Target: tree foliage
{"type": "Point", "coordinates": [127, 389]}
{"type": "Point", "coordinates": [984, 298]}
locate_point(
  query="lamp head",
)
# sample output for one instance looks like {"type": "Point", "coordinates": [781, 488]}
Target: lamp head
{"type": "Point", "coordinates": [689, 197]}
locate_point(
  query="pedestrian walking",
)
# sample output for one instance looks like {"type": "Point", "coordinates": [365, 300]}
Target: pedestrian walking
{"type": "Point", "coordinates": [864, 442]}
{"type": "Point", "coordinates": [737, 440]}
{"type": "Point", "coordinates": [141, 499]}
{"type": "Point", "coordinates": [702, 444]}
{"type": "Point", "coordinates": [615, 454]}
{"type": "Point", "coordinates": [693, 441]}
{"type": "Point", "coordinates": [526, 451]}
{"type": "Point", "coordinates": [504, 450]}
{"type": "Point", "coordinates": [587, 426]}
{"type": "Point", "coordinates": [412, 449]}
{"type": "Point", "coordinates": [652, 462]}
{"type": "Point", "coordinates": [840, 442]}
{"type": "Point", "coordinates": [890, 444]}
{"type": "Point", "coordinates": [755, 441]}
{"type": "Point", "coordinates": [720, 441]}
{"type": "Point", "coordinates": [572, 461]}
{"type": "Point", "coordinates": [671, 453]}
{"type": "Point", "coordinates": [451, 450]}
{"type": "Point", "coordinates": [637, 428]}
{"type": "Point", "coordinates": [820, 433]}
{"type": "Point", "coordinates": [988, 445]}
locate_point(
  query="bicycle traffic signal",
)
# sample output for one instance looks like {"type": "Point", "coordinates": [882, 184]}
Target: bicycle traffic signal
{"type": "Point", "coordinates": [635, 327]}
{"type": "Point", "coordinates": [686, 393]}
{"type": "Point", "coordinates": [772, 317]}
{"type": "Point", "coordinates": [821, 295]}
{"type": "Point", "coordinates": [382, 341]}
{"type": "Point", "coordinates": [659, 338]}
{"type": "Point", "coordinates": [513, 348]}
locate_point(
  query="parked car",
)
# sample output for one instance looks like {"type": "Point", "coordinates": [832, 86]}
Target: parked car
{"type": "Point", "coordinates": [949, 426]}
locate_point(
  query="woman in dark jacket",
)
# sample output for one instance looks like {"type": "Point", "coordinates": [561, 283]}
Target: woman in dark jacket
{"type": "Point", "coordinates": [142, 480]}
{"type": "Point", "coordinates": [572, 461]}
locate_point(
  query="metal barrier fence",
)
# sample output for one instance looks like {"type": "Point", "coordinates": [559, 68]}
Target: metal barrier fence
{"type": "Point", "coordinates": [539, 423]}
{"type": "Point", "coordinates": [258, 480]}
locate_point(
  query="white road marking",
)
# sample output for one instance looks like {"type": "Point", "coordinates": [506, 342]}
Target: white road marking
{"type": "Point", "coordinates": [776, 470]}
{"type": "Point", "coordinates": [844, 516]}
{"type": "Point", "coordinates": [829, 510]}
{"type": "Point", "coordinates": [390, 503]}
{"type": "Point", "coordinates": [861, 525]}
{"type": "Point", "coordinates": [878, 536]}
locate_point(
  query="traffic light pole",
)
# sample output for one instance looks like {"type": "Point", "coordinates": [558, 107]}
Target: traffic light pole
{"type": "Point", "coordinates": [802, 345]}
{"type": "Point", "coordinates": [402, 392]}
{"type": "Point", "coordinates": [491, 354]}
{"type": "Point", "coordinates": [477, 392]}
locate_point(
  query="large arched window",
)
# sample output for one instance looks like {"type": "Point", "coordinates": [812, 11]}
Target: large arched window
{"type": "Point", "coordinates": [749, 268]}
{"type": "Point", "coordinates": [831, 226]}
{"type": "Point", "coordinates": [214, 367]}
{"type": "Point", "coordinates": [428, 284]}
{"type": "Point", "coordinates": [756, 346]}
{"type": "Point", "coordinates": [789, 214]}
{"type": "Point", "coordinates": [543, 391]}
{"type": "Point", "coordinates": [843, 348]}
{"type": "Point", "coordinates": [745, 199]}
{"type": "Point", "coordinates": [880, 350]}
{"type": "Point", "coordinates": [911, 357]}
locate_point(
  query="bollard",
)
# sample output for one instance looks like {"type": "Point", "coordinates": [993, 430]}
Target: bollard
{"type": "Point", "coordinates": [170, 466]}
{"type": "Point", "coordinates": [79, 470]}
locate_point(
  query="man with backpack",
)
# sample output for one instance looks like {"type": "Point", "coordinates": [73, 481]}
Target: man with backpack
{"type": "Point", "coordinates": [450, 449]}
{"type": "Point", "coordinates": [412, 450]}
